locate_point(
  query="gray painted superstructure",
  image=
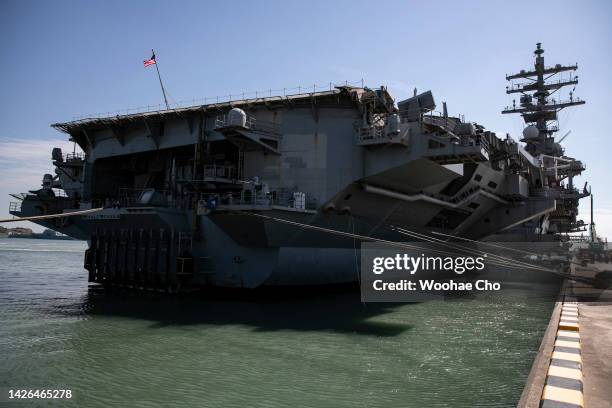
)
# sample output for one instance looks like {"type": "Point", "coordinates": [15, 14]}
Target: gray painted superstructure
{"type": "Point", "coordinates": [179, 187]}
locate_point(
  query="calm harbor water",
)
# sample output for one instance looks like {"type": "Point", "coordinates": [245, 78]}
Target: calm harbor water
{"type": "Point", "coordinates": [320, 350]}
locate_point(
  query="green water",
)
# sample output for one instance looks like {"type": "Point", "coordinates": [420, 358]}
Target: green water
{"type": "Point", "coordinates": [324, 350]}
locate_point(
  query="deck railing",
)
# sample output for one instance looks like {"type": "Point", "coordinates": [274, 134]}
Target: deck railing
{"type": "Point", "coordinates": [282, 198]}
{"type": "Point", "coordinates": [233, 97]}
{"type": "Point", "coordinates": [370, 133]}
{"type": "Point", "coordinates": [74, 156]}
{"type": "Point", "coordinates": [220, 171]}
{"type": "Point", "coordinates": [251, 123]}
{"type": "Point", "coordinates": [249, 197]}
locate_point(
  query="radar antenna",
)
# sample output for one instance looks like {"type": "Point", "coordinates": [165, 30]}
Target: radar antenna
{"type": "Point", "coordinates": [536, 105]}
{"type": "Point", "coordinates": [539, 107]}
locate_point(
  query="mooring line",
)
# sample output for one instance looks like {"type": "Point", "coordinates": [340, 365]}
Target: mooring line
{"type": "Point", "coordinates": [52, 216]}
{"type": "Point", "coordinates": [392, 243]}
{"type": "Point", "coordinates": [506, 261]}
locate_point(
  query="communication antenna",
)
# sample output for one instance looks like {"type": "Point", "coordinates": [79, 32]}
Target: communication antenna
{"type": "Point", "coordinates": [564, 136]}
{"type": "Point", "coordinates": [593, 233]}
{"type": "Point", "coordinates": [535, 105]}
{"type": "Point", "coordinates": [539, 108]}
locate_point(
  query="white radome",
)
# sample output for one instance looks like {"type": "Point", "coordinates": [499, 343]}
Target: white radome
{"type": "Point", "coordinates": [237, 117]}
{"type": "Point", "coordinates": [531, 132]}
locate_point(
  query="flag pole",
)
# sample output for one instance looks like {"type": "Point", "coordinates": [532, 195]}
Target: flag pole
{"type": "Point", "coordinates": [160, 82]}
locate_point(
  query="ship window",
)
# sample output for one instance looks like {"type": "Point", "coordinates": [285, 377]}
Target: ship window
{"type": "Point", "coordinates": [473, 205]}
{"type": "Point", "coordinates": [492, 184]}
{"type": "Point", "coordinates": [347, 197]}
{"type": "Point", "coordinates": [477, 177]}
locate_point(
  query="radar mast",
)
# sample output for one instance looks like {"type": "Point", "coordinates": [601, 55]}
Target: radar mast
{"type": "Point", "coordinates": [537, 105]}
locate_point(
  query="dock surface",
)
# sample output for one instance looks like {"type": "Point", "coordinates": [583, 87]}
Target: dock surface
{"type": "Point", "coordinates": [574, 364]}
{"type": "Point", "coordinates": [595, 322]}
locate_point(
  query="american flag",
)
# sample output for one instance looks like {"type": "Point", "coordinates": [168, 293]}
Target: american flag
{"type": "Point", "coordinates": [150, 61]}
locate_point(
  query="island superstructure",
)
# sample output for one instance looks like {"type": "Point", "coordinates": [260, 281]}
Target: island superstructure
{"type": "Point", "coordinates": [183, 190]}
{"type": "Point", "coordinates": [539, 108]}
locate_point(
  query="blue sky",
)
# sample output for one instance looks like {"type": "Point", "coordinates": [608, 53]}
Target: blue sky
{"type": "Point", "coordinates": [61, 59]}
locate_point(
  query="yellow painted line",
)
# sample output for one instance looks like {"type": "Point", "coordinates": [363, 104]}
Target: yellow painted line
{"type": "Point", "coordinates": [563, 395]}
{"type": "Point", "coordinates": [559, 355]}
{"type": "Point", "coordinates": [563, 343]}
{"type": "Point", "coordinates": [568, 326]}
{"type": "Point", "coordinates": [567, 333]}
{"type": "Point", "coordinates": [564, 372]}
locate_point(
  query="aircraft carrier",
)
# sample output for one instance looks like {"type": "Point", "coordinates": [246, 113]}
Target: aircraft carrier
{"type": "Point", "coordinates": [282, 190]}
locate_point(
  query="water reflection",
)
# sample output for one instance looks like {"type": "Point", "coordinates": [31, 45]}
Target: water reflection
{"type": "Point", "coordinates": [337, 309]}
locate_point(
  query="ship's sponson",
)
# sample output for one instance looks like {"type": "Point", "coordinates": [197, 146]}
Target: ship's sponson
{"type": "Point", "coordinates": [346, 157]}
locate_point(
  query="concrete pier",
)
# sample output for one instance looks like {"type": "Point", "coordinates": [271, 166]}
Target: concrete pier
{"type": "Point", "coordinates": [573, 367]}
{"type": "Point", "coordinates": [596, 326]}
{"type": "Point", "coordinates": [595, 321]}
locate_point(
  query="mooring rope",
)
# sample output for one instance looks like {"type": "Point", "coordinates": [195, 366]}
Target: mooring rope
{"type": "Point", "coordinates": [503, 263]}
{"type": "Point", "coordinates": [52, 216]}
